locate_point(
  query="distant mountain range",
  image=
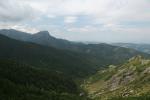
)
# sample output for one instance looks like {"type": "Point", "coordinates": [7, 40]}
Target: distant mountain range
{"type": "Point", "coordinates": [45, 57]}
{"type": "Point", "coordinates": [101, 54]}
{"type": "Point", "coordinates": [140, 47]}
{"type": "Point", "coordinates": [42, 37]}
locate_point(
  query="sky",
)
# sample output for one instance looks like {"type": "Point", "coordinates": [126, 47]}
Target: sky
{"type": "Point", "coordinates": [80, 20]}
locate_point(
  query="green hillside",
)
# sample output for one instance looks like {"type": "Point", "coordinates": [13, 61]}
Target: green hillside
{"type": "Point", "coordinates": [99, 55]}
{"type": "Point", "coordinates": [23, 82]}
{"type": "Point", "coordinates": [30, 71]}
{"type": "Point", "coordinates": [67, 62]}
{"type": "Point", "coordinates": [130, 81]}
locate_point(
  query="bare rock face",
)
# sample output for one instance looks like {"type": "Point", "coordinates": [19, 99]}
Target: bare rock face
{"type": "Point", "coordinates": [146, 71]}
{"type": "Point", "coordinates": [127, 77]}
{"type": "Point", "coordinates": [117, 80]}
{"type": "Point", "coordinates": [113, 83]}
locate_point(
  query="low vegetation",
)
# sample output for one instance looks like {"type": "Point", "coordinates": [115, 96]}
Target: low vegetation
{"type": "Point", "coordinates": [130, 81]}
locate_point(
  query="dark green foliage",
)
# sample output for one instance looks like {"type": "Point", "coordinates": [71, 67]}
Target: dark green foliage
{"type": "Point", "coordinates": [22, 82]}
{"type": "Point", "coordinates": [67, 62]}
{"type": "Point", "coordinates": [45, 73]}
{"type": "Point", "coordinates": [100, 55]}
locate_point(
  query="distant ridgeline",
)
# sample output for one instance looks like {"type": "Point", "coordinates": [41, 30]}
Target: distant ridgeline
{"type": "Point", "coordinates": [140, 47]}
{"type": "Point", "coordinates": [42, 67]}
{"type": "Point", "coordinates": [67, 62]}
{"type": "Point", "coordinates": [130, 81]}
{"type": "Point", "coordinates": [99, 55]}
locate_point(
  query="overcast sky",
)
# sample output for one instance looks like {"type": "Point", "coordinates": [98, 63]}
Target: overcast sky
{"type": "Point", "coordinates": [80, 20]}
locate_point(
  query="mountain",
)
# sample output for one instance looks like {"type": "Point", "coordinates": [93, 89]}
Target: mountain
{"type": "Point", "coordinates": [20, 81]}
{"type": "Point", "coordinates": [100, 55]}
{"type": "Point", "coordinates": [130, 81]}
{"type": "Point", "coordinates": [29, 71]}
{"type": "Point", "coordinates": [42, 67]}
{"type": "Point", "coordinates": [18, 35]}
{"type": "Point", "coordinates": [42, 37]}
{"type": "Point", "coordinates": [140, 47]}
{"type": "Point", "coordinates": [71, 63]}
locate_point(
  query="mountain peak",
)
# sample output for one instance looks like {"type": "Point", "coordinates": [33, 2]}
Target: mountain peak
{"type": "Point", "coordinates": [44, 33]}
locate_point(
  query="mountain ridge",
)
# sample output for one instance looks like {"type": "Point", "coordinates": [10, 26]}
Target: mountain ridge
{"type": "Point", "coordinates": [140, 47]}
{"type": "Point", "coordinates": [101, 54]}
{"type": "Point", "coordinates": [77, 61]}
{"type": "Point", "coordinates": [44, 57]}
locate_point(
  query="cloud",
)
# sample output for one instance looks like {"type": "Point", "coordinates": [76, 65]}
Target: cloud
{"type": "Point", "coordinates": [51, 16]}
{"type": "Point", "coordinates": [101, 8]}
{"type": "Point", "coordinates": [85, 29]}
{"type": "Point", "coordinates": [15, 10]}
{"type": "Point", "coordinates": [102, 11]}
{"type": "Point", "coordinates": [70, 19]}
{"type": "Point", "coordinates": [96, 17]}
{"type": "Point", "coordinates": [20, 27]}
{"type": "Point", "coordinates": [25, 28]}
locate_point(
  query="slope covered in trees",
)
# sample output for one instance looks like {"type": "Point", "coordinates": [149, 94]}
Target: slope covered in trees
{"type": "Point", "coordinates": [100, 55]}
{"type": "Point", "coordinates": [23, 82]}
{"type": "Point", "coordinates": [30, 71]}
{"type": "Point", "coordinates": [67, 62]}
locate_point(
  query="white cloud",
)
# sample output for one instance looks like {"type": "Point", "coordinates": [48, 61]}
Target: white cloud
{"type": "Point", "coordinates": [102, 11]}
{"type": "Point", "coordinates": [51, 16]}
{"type": "Point", "coordinates": [25, 28]}
{"type": "Point", "coordinates": [101, 8]}
{"type": "Point", "coordinates": [70, 19]}
{"type": "Point", "coordinates": [105, 15]}
{"type": "Point", "coordinates": [20, 27]}
{"type": "Point", "coordinates": [85, 29]}
{"type": "Point", "coordinates": [14, 10]}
